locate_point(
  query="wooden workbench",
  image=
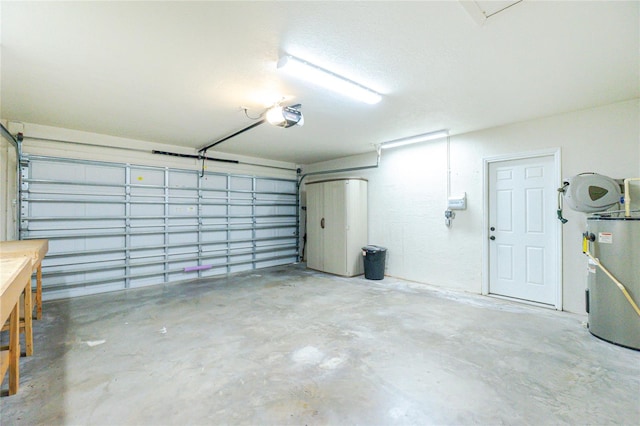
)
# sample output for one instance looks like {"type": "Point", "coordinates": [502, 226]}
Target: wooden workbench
{"type": "Point", "coordinates": [36, 250]}
{"type": "Point", "coordinates": [15, 278]}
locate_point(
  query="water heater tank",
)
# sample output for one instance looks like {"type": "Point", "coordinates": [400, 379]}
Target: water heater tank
{"type": "Point", "coordinates": [591, 192]}
{"type": "Point", "coordinates": [617, 246]}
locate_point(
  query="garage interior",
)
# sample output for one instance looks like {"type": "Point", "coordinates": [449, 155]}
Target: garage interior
{"type": "Point", "coordinates": [207, 212]}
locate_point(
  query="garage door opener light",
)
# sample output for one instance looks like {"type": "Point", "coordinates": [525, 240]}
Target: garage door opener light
{"type": "Point", "coordinates": [284, 116]}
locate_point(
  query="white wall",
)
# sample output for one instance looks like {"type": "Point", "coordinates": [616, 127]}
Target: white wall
{"type": "Point", "coordinates": [407, 193]}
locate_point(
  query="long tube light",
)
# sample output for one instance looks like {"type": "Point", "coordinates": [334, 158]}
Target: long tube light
{"type": "Point", "coordinates": [415, 139]}
{"type": "Point", "coordinates": [314, 74]}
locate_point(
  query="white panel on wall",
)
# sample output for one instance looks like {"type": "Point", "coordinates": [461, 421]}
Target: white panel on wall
{"type": "Point", "coordinates": [114, 226]}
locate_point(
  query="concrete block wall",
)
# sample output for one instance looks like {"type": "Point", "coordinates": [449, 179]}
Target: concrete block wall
{"type": "Point", "coordinates": [407, 193]}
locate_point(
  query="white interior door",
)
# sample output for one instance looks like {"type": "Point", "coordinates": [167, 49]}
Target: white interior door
{"type": "Point", "coordinates": [523, 232]}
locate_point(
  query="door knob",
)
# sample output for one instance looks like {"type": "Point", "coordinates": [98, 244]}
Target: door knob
{"type": "Point", "coordinates": [492, 228]}
{"type": "Point", "coordinates": [492, 238]}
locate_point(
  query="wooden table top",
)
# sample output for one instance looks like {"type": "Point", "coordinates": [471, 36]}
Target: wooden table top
{"type": "Point", "coordinates": [36, 249]}
{"type": "Point", "coordinates": [14, 274]}
{"type": "Point", "coordinates": [10, 269]}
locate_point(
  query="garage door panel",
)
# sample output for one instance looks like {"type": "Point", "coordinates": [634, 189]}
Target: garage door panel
{"type": "Point", "coordinates": [151, 223]}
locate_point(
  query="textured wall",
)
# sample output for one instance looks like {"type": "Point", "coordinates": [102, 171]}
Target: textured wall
{"type": "Point", "coordinates": [407, 193]}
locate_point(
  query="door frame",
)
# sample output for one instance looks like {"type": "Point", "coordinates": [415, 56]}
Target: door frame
{"type": "Point", "coordinates": [486, 162]}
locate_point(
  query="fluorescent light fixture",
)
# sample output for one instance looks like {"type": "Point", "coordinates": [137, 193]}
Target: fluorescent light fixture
{"type": "Point", "coordinates": [314, 74]}
{"type": "Point", "coordinates": [415, 139]}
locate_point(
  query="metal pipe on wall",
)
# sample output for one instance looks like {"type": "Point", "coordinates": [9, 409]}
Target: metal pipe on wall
{"type": "Point", "coordinates": [348, 169]}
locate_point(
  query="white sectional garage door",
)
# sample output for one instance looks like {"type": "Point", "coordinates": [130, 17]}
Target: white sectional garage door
{"type": "Point", "coordinates": [114, 226]}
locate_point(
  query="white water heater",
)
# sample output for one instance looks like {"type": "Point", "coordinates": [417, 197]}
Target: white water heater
{"type": "Point", "coordinates": [612, 242]}
{"type": "Point", "coordinates": [616, 243]}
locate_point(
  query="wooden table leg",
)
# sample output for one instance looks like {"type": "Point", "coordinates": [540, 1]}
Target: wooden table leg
{"type": "Point", "coordinates": [28, 320]}
{"type": "Point", "coordinates": [39, 292]}
{"type": "Point", "coordinates": [14, 350]}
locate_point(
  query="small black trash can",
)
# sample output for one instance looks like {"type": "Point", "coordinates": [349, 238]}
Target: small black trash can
{"type": "Point", "coordinates": [373, 257]}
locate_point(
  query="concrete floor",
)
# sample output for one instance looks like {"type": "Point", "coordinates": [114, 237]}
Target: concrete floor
{"type": "Point", "coordinates": [291, 346]}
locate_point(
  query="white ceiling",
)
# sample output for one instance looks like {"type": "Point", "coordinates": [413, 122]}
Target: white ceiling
{"type": "Point", "coordinates": [178, 72]}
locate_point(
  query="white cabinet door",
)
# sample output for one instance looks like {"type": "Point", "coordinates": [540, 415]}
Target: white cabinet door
{"type": "Point", "coordinates": [336, 225]}
{"type": "Point", "coordinates": [315, 213]}
{"type": "Point", "coordinates": [335, 233]}
{"type": "Point", "coordinates": [356, 225]}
